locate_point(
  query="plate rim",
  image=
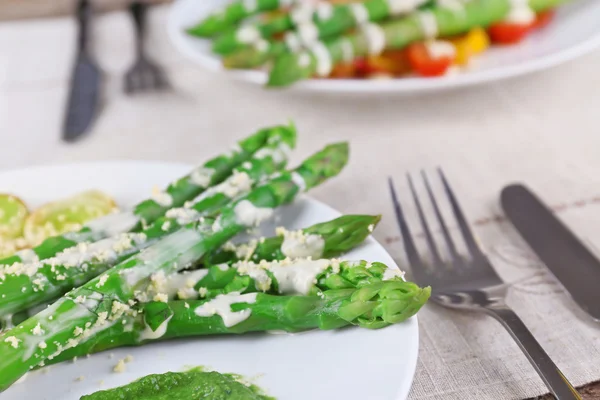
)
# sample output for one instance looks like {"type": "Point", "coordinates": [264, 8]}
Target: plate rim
{"type": "Point", "coordinates": [397, 86]}
{"type": "Point", "coordinates": [402, 392]}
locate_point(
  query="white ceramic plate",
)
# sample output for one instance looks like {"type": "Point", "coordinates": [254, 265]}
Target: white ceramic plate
{"type": "Point", "coordinates": [346, 364]}
{"type": "Point", "coordinates": [575, 32]}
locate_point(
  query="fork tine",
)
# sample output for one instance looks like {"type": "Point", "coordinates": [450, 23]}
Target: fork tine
{"type": "Point", "coordinates": [409, 245]}
{"type": "Point", "coordinates": [449, 242]}
{"type": "Point", "coordinates": [430, 242]}
{"type": "Point", "coordinates": [460, 218]}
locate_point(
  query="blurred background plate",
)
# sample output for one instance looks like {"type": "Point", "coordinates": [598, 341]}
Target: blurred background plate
{"type": "Point", "coordinates": [574, 32]}
{"type": "Point", "coordinates": [342, 364]}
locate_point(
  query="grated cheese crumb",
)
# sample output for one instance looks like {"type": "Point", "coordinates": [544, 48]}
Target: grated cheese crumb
{"type": "Point", "coordinates": [14, 342]}
{"type": "Point", "coordinates": [102, 281]}
{"type": "Point", "coordinates": [37, 330]}
{"type": "Point", "coordinates": [161, 297]}
{"type": "Point", "coordinates": [120, 367]}
{"type": "Point", "coordinates": [42, 345]}
{"type": "Point", "coordinates": [203, 292]}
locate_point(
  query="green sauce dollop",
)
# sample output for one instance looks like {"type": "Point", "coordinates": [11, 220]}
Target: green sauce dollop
{"type": "Point", "coordinates": [190, 385]}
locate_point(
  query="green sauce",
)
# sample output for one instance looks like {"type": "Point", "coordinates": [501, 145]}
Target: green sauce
{"type": "Point", "coordinates": [190, 385]}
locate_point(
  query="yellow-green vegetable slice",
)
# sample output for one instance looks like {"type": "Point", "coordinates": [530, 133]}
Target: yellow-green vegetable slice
{"type": "Point", "coordinates": [13, 212]}
{"type": "Point", "coordinates": [66, 215]}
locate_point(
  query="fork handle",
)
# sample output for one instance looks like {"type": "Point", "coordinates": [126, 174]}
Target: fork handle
{"type": "Point", "coordinates": [138, 12]}
{"type": "Point", "coordinates": [545, 367]}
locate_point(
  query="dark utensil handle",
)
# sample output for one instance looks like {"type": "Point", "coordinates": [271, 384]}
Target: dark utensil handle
{"type": "Point", "coordinates": [138, 12]}
{"type": "Point", "coordinates": [545, 367]}
{"type": "Point", "coordinates": [84, 15]}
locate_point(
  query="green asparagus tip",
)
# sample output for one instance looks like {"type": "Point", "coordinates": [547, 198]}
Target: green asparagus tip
{"type": "Point", "coordinates": [384, 303]}
{"type": "Point", "coordinates": [288, 69]}
{"type": "Point", "coordinates": [209, 27]}
{"type": "Point", "coordinates": [226, 44]}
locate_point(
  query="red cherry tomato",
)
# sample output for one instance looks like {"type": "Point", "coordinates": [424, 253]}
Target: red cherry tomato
{"type": "Point", "coordinates": [508, 33]}
{"type": "Point", "coordinates": [424, 64]}
{"type": "Point", "coordinates": [543, 19]}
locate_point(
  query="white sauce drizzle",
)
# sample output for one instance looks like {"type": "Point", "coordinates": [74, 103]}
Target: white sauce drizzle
{"type": "Point", "coordinates": [360, 13]}
{"type": "Point", "coordinates": [391, 273]}
{"type": "Point", "coordinates": [261, 45]}
{"type": "Point", "coordinates": [302, 246]}
{"type": "Point", "coordinates": [454, 5]}
{"type": "Point", "coordinates": [250, 6]}
{"type": "Point", "coordinates": [324, 63]}
{"type": "Point", "coordinates": [428, 23]}
{"type": "Point", "coordinates": [308, 33]}
{"type": "Point", "coordinates": [292, 42]}
{"type": "Point", "coordinates": [324, 11]}
{"type": "Point", "coordinates": [183, 216]}
{"type": "Point", "coordinates": [299, 181]}
{"type": "Point", "coordinates": [298, 277]}
{"type": "Point", "coordinates": [440, 49]}
{"type": "Point", "coordinates": [221, 305]}
{"type": "Point", "coordinates": [520, 12]}
{"type": "Point", "coordinates": [375, 38]}
{"type": "Point", "coordinates": [175, 282]}
{"type": "Point", "coordinates": [249, 215]}
{"type": "Point", "coordinates": [161, 253]}
{"type": "Point", "coordinates": [237, 184]}
{"type": "Point", "coordinates": [113, 224]}
{"type": "Point", "coordinates": [160, 331]}
{"type": "Point", "coordinates": [347, 50]}
{"type": "Point", "coordinates": [304, 60]}
{"type": "Point", "coordinates": [27, 256]}
{"type": "Point", "coordinates": [279, 154]}
{"type": "Point", "coordinates": [302, 13]}
{"type": "Point", "coordinates": [163, 198]}
{"type": "Point", "coordinates": [397, 7]}
{"type": "Point", "coordinates": [247, 34]}
{"type": "Point", "coordinates": [201, 176]}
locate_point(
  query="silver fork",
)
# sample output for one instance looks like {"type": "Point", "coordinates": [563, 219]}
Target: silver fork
{"type": "Point", "coordinates": [471, 283]}
{"type": "Point", "coordinates": [144, 74]}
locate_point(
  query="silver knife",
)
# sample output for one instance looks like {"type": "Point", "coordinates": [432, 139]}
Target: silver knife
{"type": "Point", "coordinates": [573, 264]}
{"type": "Point", "coordinates": [85, 82]}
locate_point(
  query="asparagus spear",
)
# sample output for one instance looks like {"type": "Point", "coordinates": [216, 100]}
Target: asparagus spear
{"type": "Point", "coordinates": [102, 302]}
{"type": "Point", "coordinates": [312, 22]}
{"type": "Point", "coordinates": [396, 34]}
{"type": "Point", "coordinates": [26, 285]}
{"type": "Point", "coordinates": [233, 13]}
{"type": "Point", "coordinates": [210, 173]}
{"type": "Point", "coordinates": [300, 276]}
{"type": "Point", "coordinates": [372, 306]}
{"type": "Point", "coordinates": [324, 240]}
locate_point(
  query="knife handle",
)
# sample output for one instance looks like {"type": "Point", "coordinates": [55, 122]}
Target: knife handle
{"type": "Point", "coordinates": [84, 15]}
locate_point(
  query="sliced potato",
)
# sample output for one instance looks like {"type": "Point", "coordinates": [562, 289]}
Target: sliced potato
{"type": "Point", "coordinates": [66, 215]}
{"type": "Point", "coordinates": [13, 213]}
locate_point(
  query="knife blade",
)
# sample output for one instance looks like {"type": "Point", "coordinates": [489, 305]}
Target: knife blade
{"type": "Point", "coordinates": [85, 82]}
{"type": "Point", "coordinates": [573, 264]}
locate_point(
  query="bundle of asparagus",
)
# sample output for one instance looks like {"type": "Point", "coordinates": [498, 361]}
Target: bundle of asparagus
{"type": "Point", "coordinates": [179, 275]}
{"type": "Point", "coordinates": [308, 40]}
{"type": "Point", "coordinates": [24, 285]}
